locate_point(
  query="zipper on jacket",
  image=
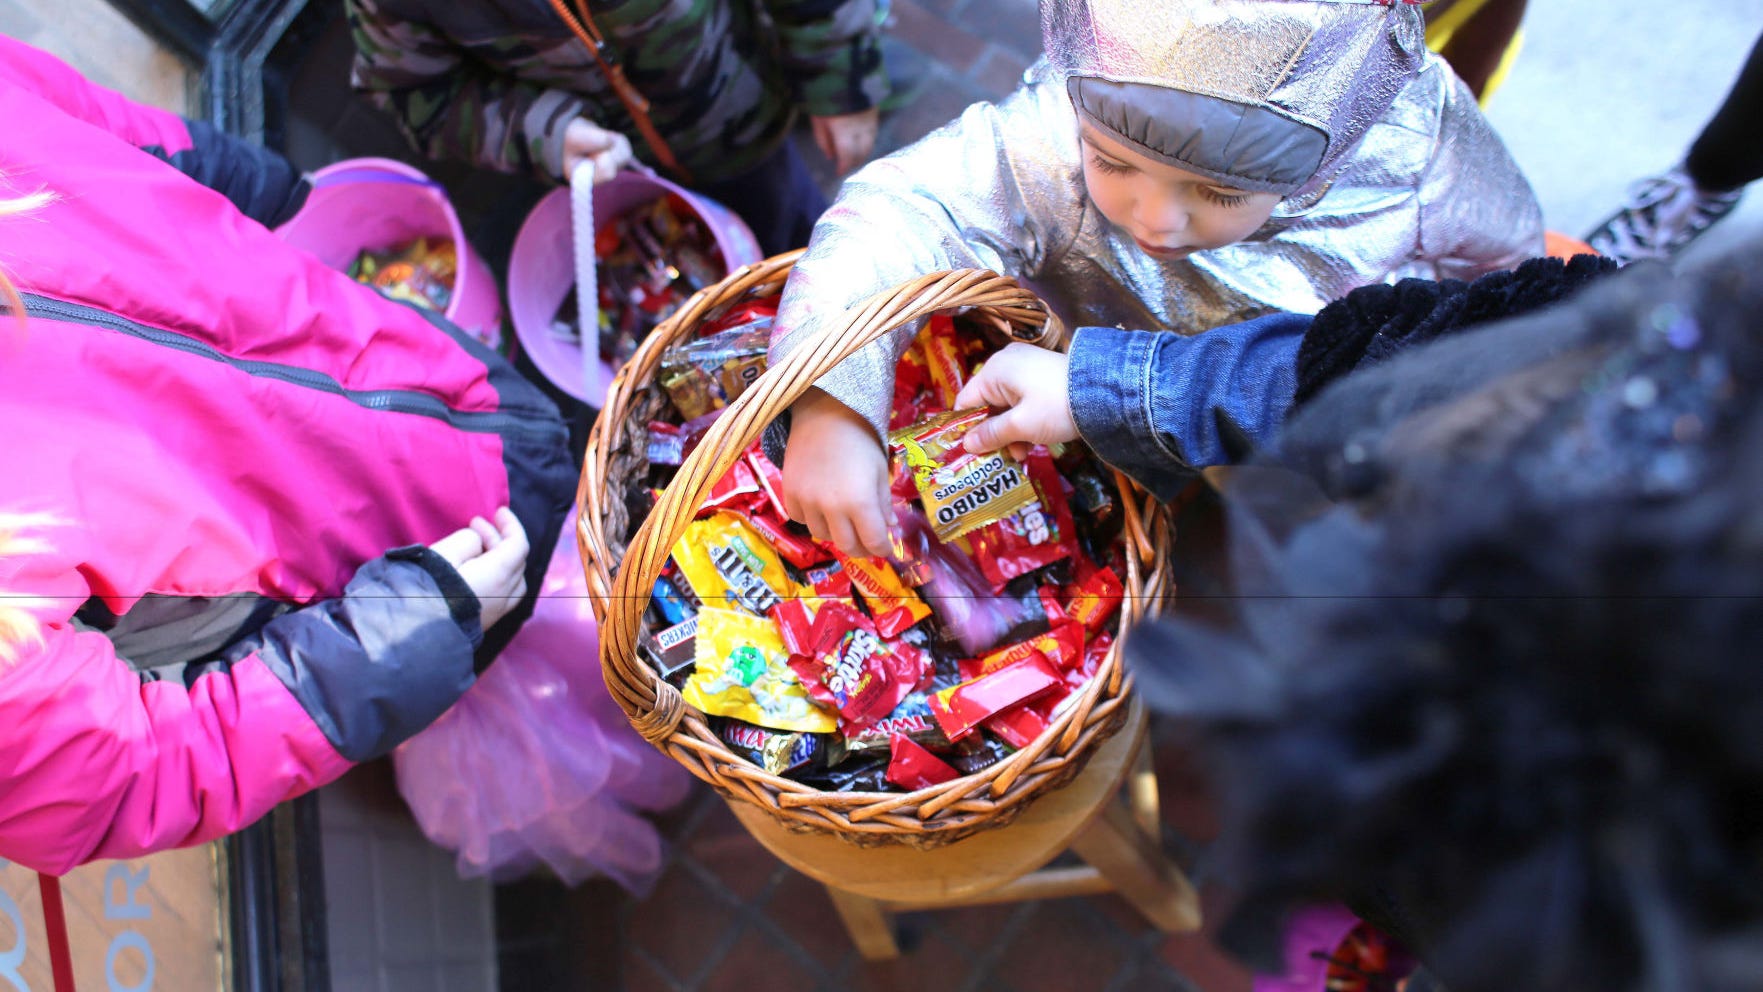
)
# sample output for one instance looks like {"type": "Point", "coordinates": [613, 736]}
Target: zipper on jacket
{"type": "Point", "coordinates": [391, 400]}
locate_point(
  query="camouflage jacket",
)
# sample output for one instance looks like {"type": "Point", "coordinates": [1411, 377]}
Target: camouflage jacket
{"type": "Point", "coordinates": [495, 82]}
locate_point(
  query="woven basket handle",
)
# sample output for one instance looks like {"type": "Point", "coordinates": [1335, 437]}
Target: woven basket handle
{"type": "Point", "coordinates": [654, 706]}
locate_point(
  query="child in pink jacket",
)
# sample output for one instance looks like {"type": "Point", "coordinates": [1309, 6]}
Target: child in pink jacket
{"type": "Point", "coordinates": [211, 441]}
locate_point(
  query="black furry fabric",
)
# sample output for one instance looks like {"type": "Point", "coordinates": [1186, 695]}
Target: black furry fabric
{"type": "Point", "coordinates": [1512, 683]}
{"type": "Point", "coordinates": [1373, 323]}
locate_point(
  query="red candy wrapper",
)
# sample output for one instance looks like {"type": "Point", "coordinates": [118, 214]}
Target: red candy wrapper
{"type": "Point", "coordinates": [1062, 647]}
{"type": "Point", "coordinates": [1020, 726]}
{"type": "Point", "coordinates": [1023, 724]}
{"type": "Point", "coordinates": [1052, 605]}
{"type": "Point", "coordinates": [792, 547]}
{"type": "Point", "coordinates": [759, 313]}
{"type": "Point", "coordinates": [912, 767]}
{"type": "Point", "coordinates": [795, 620]}
{"type": "Point", "coordinates": [771, 477]}
{"type": "Point", "coordinates": [829, 579]}
{"type": "Point", "coordinates": [960, 708]}
{"type": "Point", "coordinates": [944, 360]}
{"type": "Point", "coordinates": [853, 670]}
{"type": "Point", "coordinates": [1094, 599]}
{"type": "Point", "coordinates": [912, 397]}
{"type": "Point", "coordinates": [738, 489]}
{"type": "Point", "coordinates": [1033, 537]}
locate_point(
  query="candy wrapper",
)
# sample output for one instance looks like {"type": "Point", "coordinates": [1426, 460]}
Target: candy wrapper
{"type": "Point", "coordinates": [869, 775]}
{"type": "Point", "coordinates": [672, 650]}
{"type": "Point", "coordinates": [713, 372]}
{"type": "Point", "coordinates": [1095, 598]}
{"type": "Point", "coordinates": [912, 718]}
{"type": "Point", "coordinates": [912, 767]}
{"type": "Point", "coordinates": [853, 670]}
{"type": "Point", "coordinates": [778, 752]}
{"type": "Point", "coordinates": [960, 491]}
{"type": "Point", "coordinates": [894, 606]}
{"type": "Point", "coordinates": [957, 593]}
{"type": "Point", "coordinates": [961, 708]}
{"type": "Point", "coordinates": [743, 672]}
{"type": "Point", "coordinates": [1031, 538]}
{"type": "Point", "coordinates": [728, 564]}
{"type": "Point", "coordinates": [420, 272]}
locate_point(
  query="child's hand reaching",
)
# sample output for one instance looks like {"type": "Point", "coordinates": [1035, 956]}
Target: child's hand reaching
{"type": "Point", "coordinates": [836, 476]}
{"type": "Point", "coordinates": [1030, 383]}
{"type": "Point", "coordinates": [491, 558]}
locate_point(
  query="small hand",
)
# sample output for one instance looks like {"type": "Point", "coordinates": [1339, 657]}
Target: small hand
{"type": "Point", "coordinates": [846, 139]}
{"type": "Point", "coordinates": [491, 558]}
{"type": "Point", "coordinates": [585, 141]}
{"type": "Point", "coordinates": [836, 476]}
{"type": "Point", "coordinates": [1030, 384]}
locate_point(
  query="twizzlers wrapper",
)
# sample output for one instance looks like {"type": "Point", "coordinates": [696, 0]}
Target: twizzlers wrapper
{"type": "Point", "coordinates": [960, 491]}
{"type": "Point", "coordinates": [853, 670]}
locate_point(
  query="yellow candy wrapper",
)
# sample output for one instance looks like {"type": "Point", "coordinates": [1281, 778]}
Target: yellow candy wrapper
{"type": "Point", "coordinates": [728, 564]}
{"type": "Point", "coordinates": [743, 671]}
{"type": "Point", "coordinates": [961, 492]}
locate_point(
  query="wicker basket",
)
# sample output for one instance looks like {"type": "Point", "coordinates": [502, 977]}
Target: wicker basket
{"type": "Point", "coordinates": [617, 449]}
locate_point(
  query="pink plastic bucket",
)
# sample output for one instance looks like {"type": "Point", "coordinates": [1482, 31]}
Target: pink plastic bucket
{"type": "Point", "coordinates": [376, 203]}
{"type": "Point", "coordinates": [541, 270]}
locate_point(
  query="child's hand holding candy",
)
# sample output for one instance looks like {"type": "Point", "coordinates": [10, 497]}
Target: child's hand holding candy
{"type": "Point", "coordinates": [1030, 384]}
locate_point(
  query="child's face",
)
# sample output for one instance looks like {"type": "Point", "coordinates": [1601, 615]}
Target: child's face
{"type": "Point", "coordinates": [1171, 213]}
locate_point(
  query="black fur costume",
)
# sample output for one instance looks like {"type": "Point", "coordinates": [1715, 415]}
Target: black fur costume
{"type": "Point", "coordinates": [1496, 672]}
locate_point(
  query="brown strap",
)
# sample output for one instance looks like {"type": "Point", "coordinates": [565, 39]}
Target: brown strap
{"type": "Point", "coordinates": [582, 24]}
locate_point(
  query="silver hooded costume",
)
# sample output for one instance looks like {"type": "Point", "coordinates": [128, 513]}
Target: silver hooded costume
{"type": "Point", "coordinates": [1386, 167]}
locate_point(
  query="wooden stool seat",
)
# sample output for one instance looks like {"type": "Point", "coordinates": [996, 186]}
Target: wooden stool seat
{"type": "Point", "coordinates": [1118, 840]}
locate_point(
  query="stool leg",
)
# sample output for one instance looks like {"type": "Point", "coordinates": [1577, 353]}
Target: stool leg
{"type": "Point", "coordinates": [1136, 865]}
{"type": "Point", "coordinates": [1141, 791]}
{"type": "Point", "coordinates": [871, 929]}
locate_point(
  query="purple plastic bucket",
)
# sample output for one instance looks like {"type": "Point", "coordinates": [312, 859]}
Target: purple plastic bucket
{"type": "Point", "coordinates": [541, 270]}
{"type": "Point", "coordinates": [376, 203]}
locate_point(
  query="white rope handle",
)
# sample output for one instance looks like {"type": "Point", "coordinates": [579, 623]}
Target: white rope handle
{"type": "Point", "coordinates": [587, 289]}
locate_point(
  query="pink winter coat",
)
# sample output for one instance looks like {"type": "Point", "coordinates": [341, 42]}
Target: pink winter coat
{"type": "Point", "coordinates": [226, 438]}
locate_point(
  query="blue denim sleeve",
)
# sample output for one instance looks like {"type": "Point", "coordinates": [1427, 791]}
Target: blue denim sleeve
{"type": "Point", "coordinates": [1150, 402]}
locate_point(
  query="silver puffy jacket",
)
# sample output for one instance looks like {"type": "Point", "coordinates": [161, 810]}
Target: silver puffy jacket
{"type": "Point", "coordinates": [1413, 182]}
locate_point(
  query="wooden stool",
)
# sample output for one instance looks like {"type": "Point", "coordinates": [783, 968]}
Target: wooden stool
{"type": "Point", "coordinates": [1119, 840]}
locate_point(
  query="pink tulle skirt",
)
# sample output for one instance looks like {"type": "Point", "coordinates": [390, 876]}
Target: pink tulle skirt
{"type": "Point", "coordinates": [536, 766]}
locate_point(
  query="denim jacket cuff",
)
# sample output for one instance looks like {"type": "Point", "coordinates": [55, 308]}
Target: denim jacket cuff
{"type": "Point", "coordinates": [1110, 389]}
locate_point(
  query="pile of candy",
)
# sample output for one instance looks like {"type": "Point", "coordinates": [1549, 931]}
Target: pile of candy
{"type": "Point", "coordinates": [420, 272]}
{"type": "Point", "coordinates": [992, 614]}
{"type": "Point", "coordinates": [648, 262]}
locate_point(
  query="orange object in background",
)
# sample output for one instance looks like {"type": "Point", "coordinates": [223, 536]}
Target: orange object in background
{"type": "Point", "coordinates": [1558, 245]}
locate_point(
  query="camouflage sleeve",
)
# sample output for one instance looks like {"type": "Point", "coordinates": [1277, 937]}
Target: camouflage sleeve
{"type": "Point", "coordinates": [451, 106]}
{"type": "Point", "coordinates": [831, 53]}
